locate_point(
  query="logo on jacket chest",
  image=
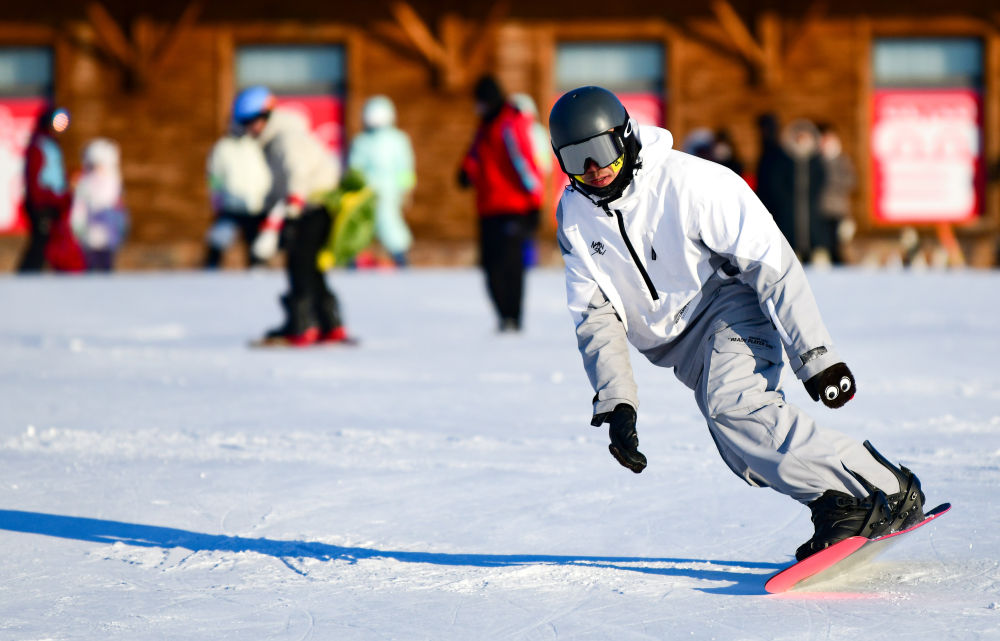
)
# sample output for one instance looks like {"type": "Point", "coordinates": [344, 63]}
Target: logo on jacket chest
{"type": "Point", "coordinates": [598, 248]}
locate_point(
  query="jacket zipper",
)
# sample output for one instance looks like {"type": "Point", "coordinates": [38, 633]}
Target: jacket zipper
{"type": "Point", "coordinates": [635, 256]}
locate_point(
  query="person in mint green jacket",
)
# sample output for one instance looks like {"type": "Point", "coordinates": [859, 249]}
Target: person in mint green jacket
{"type": "Point", "coordinates": [384, 156]}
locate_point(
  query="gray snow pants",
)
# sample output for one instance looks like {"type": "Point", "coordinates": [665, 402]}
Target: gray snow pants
{"type": "Point", "coordinates": [732, 359]}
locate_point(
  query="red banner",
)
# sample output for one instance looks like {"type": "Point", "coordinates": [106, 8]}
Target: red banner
{"type": "Point", "coordinates": [17, 119]}
{"type": "Point", "coordinates": [927, 157]}
{"type": "Point", "coordinates": [326, 115]}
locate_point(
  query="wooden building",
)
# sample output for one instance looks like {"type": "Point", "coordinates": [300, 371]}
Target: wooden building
{"type": "Point", "coordinates": [159, 78]}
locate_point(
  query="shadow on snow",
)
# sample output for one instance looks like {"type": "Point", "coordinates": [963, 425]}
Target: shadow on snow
{"type": "Point", "coordinates": [747, 577]}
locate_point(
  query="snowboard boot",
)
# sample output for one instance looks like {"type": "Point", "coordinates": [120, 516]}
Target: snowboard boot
{"type": "Point", "coordinates": [838, 516]}
{"type": "Point", "coordinates": [906, 506]}
{"type": "Point", "coordinates": [300, 328]}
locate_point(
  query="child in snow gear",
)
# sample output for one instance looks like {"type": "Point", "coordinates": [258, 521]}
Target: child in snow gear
{"type": "Point", "coordinates": [98, 215]}
{"type": "Point", "coordinates": [302, 172]}
{"type": "Point", "coordinates": [677, 256]}
{"type": "Point", "coordinates": [384, 156]}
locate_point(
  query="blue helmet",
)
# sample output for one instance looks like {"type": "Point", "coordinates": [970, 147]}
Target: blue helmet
{"type": "Point", "coordinates": [251, 103]}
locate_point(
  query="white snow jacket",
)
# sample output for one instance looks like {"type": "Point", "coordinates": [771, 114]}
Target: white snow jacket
{"type": "Point", "coordinates": [303, 169]}
{"type": "Point", "coordinates": [238, 176]}
{"type": "Point", "coordinates": [643, 268]}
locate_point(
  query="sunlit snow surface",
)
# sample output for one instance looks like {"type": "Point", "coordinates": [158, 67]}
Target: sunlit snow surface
{"type": "Point", "coordinates": [441, 481]}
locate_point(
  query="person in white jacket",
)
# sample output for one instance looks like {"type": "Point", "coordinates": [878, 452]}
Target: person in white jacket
{"type": "Point", "coordinates": [239, 181]}
{"type": "Point", "coordinates": [303, 170]}
{"type": "Point", "coordinates": [676, 256]}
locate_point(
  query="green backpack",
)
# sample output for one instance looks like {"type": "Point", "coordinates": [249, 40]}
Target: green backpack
{"type": "Point", "coordinates": [352, 207]}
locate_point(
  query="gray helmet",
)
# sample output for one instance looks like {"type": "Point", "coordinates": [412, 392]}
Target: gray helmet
{"type": "Point", "coordinates": [590, 123]}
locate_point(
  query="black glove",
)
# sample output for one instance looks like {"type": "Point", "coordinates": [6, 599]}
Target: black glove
{"type": "Point", "coordinates": [624, 440]}
{"type": "Point", "coordinates": [834, 386]}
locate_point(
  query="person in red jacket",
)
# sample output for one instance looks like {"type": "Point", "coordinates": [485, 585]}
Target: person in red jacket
{"type": "Point", "coordinates": [46, 191]}
{"type": "Point", "coordinates": [501, 167]}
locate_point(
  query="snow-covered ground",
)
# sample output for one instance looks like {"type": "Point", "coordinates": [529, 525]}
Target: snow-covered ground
{"type": "Point", "coordinates": [162, 481]}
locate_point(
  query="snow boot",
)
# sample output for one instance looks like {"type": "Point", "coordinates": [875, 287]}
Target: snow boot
{"type": "Point", "coordinates": [838, 516]}
{"type": "Point", "coordinates": [906, 506]}
{"type": "Point", "coordinates": [337, 335]}
{"type": "Point", "coordinates": [331, 327]}
{"type": "Point", "coordinates": [300, 328]}
{"type": "Point", "coordinates": [509, 326]}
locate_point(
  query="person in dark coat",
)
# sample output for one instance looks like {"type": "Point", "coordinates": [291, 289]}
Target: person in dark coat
{"type": "Point", "coordinates": [776, 176]}
{"type": "Point", "coordinates": [833, 218]}
{"type": "Point", "coordinates": [801, 141]}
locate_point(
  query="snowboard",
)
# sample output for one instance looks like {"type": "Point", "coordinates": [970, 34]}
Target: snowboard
{"type": "Point", "coordinates": [840, 558]}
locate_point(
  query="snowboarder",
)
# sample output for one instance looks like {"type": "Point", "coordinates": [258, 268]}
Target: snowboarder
{"type": "Point", "coordinates": [302, 171]}
{"type": "Point", "coordinates": [677, 256]}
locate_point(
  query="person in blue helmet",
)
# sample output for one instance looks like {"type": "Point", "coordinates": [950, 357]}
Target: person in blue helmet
{"type": "Point", "coordinates": [302, 170]}
{"type": "Point", "coordinates": [675, 255]}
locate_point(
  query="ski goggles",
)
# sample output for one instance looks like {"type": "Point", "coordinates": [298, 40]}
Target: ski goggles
{"type": "Point", "coordinates": [604, 150]}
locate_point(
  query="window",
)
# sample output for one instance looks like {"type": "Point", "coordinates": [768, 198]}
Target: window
{"type": "Point", "coordinates": [306, 78]}
{"type": "Point", "coordinates": [928, 62]}
{"type": "Point", "coordinates": [25, 71]}
{"type": "Point", "coordinates": [292, 69]}
{"type": "Point", "coordinates": [619, 66]}
{"type": "Point", "coordinates": [633, 70]}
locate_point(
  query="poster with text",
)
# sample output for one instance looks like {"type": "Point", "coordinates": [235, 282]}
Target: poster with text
{"type": "Point", "coordinates": [927, 158]}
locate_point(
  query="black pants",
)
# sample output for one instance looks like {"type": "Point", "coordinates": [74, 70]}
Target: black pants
{"type": "Point", "coordinates": [500, 249]}
{"type": "Point", "coordinates": [41, 220]}
{"type": "Point", "coordinates": [823, 232]}
{"type": "Point", "coordinates": [310, 300]}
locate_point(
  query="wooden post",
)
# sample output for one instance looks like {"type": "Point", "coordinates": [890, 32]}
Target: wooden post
{"type": "Point", "coordinates": [769, 28]}
{"type": "Point", "coordinates": [419, 34]}
{"type": "Point", "coordinates": [142, 55]}
{"type": "Point", "coordinates": [946, 236]}
{"type": "Point", "coordinates": [461, 52]}
{"type": "Point", "coordinates": [737, 31]}
{"type": "Point", "coordinates": [764, 57]}
{"type": "Point", "coordinates": [453, 72]}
